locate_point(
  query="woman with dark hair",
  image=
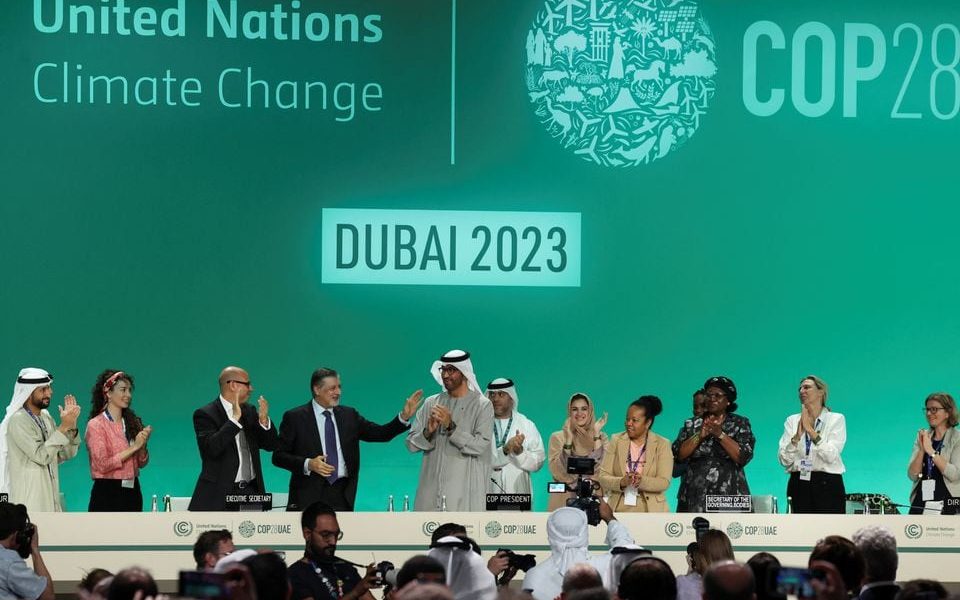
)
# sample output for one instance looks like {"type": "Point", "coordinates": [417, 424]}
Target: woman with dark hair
{"type": "Point", "coordinates": [582, 436]}
{"type": "Point", "coordinates": [716, 448]}
{"type": "Point", "coordinates": [637, 465]}
{"type": "Point", "coordinates": [935, 463]}
{"type": "Point", "coordinates": [810, 450]}
{"type": "Point", "coordinates": [117, 445]}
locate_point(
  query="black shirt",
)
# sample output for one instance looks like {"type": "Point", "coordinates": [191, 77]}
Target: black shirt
{"type": "Point", "coordinates": [331, 583]}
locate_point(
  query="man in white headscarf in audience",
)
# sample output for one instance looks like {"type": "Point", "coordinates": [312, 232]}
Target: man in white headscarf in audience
{"type": "Point", "coordinates": [517, 445]}
{"type": "Point", "coordinates": [32, 446]}
{"type": "Point", "coordinates": [569, 536]}
{"type": "Point", "coordinates": [453, 430]}
{"type": "Point", "coordinates": [466, 573]}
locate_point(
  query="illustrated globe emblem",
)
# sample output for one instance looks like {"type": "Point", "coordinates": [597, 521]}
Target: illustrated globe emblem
{"type": "Point", "coordinates": [620, 82]}
{"type": "Point", "coordinates": [734, 530]}
{"type": "Point", "coordinates": [493, 529]}
{"type": "Point", "coordinates": [246, 528]}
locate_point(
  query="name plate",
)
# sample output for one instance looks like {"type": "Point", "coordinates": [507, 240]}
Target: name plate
{"type": "Point", "coordinates": [508, 502]}
{"type": "Point", "coordinates": [727, 504]}
{"type": "Point", "coordinates": [249, 502]}
{"type": "Point", "coordinates": [951, 506]}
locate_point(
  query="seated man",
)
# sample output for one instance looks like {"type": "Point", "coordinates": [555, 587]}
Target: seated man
{"type": "Point", "coordinates": [210, 547]}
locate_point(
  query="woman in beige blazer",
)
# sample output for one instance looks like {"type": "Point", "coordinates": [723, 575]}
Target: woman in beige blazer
{"type": "Point", "coordinates": [638, 463]}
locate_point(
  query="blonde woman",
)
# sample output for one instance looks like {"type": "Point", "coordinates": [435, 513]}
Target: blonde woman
{"type": "Point", "coordinates": [810, 450]}
{"type": "Point", "coordinates": [582, 436]}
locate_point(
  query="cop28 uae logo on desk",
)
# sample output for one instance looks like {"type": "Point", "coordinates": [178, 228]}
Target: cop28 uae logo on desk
{"type": "Point", "coordinates": [620, 82]}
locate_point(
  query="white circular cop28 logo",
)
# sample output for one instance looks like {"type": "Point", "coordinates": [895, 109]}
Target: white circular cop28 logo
{"type": "Point", "coordinates": [673, 529]}
{"type": "Point", "coordinates": [913, 531]}
{"type": "Point", "coordinates": [620, 82]}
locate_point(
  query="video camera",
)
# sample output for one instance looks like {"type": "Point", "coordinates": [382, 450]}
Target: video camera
{"type": "Point", "coordinates": [584, 488]}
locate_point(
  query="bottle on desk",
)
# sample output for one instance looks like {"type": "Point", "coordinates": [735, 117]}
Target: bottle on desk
{"type": "Point", "coordinates": [153, 503]}
{"type": "Point", "coordinates": [390, 503]}
{"type": "Point", "coordinates": [406, 503]}
{"type": "Point", "coordinates": [166, 503]}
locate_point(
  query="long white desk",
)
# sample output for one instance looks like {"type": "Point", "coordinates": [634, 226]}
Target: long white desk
{"type": "Point", "coordinates": [162, 542]}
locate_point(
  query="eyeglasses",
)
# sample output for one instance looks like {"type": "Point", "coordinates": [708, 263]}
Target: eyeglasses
{"type": "Point", "coordinates": [933, 409]}
{"type": "Point", "coordinates": [715, 396]}
{"type": "Point", "coordinates": [246, 383]}
{"type": "Point", "coordinates": [328, 535]}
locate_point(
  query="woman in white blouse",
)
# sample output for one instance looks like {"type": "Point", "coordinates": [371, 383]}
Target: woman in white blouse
{"type": "Point", "coordinates": [810, 450]}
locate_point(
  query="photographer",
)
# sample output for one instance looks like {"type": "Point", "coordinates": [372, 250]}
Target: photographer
{"type": "Point", "coordinates": [568, 535]}
{"type": "Point", "coordinates": [19, 539]}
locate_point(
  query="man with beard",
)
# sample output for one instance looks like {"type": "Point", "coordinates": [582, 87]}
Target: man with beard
{"type": "Point", "coordinates": [453, 430]}
{"type": "Point", "coordinates": [517, 445]}
{"type": "Point", "coordinates": [320, 575]}
{"type": "Point", "coordinates": [33, 446]}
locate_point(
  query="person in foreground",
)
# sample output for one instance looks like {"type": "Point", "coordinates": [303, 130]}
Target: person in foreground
{"type": "Point", "coordinates": [19, 539]}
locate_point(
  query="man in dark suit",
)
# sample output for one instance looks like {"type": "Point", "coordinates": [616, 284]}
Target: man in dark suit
{"type": "Point", "coordinates": [230, 434]}
{"type": "Point", "coordinates": [320, 444]}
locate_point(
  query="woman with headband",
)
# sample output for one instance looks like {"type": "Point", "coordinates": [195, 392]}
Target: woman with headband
{"type": "Point", "coordinates": [117, 445]}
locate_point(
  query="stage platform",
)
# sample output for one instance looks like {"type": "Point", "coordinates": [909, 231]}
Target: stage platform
{"type": "Point", "coordinates": [73, 543]}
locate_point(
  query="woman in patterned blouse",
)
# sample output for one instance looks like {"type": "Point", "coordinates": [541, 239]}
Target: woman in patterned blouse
{"type": "Point", "coordinates": [716, 448]}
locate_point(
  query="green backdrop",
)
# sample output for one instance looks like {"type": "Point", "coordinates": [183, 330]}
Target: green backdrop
{"type": "Point", "coordinates": [170, 241]}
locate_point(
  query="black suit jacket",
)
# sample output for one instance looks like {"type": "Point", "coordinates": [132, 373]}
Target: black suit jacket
{"type": "Point", "coordinates": [300, 440]}
{"type": "Point", "coordinates": [216, 438]}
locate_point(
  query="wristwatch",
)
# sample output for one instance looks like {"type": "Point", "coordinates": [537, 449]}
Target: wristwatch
{"type": "Point", "coordinates": [721, 436]}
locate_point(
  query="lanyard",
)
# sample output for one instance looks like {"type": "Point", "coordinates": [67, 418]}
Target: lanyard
{"type": "Point", "coordinates": [506, 432]}
{"type": "Point", "coordinates": [335, 592]}
{"type": "Point", "coordinates": [818, 427]}
{"type": "Point", "coordinates": [928, 460]}
{"type": "Point", "coordinates": [43, 435]}
{"type": "Point", "coordinates": [634, 465]}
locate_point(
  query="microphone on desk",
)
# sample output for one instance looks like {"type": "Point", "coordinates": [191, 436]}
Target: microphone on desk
{"type": "Point", "coordinates": [496, 483]}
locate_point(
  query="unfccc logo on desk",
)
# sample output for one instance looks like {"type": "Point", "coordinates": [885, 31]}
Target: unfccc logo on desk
{"type": "Point", "coordinates": [913, 531]}
{"type": "Point", "coordinates": [673, 529]}
{"type": "Point", "coordinates": [183, 528]}
{"type": "Point", "coordinates": [620, 82]}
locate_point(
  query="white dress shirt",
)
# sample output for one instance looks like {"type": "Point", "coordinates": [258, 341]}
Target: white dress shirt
{"type": "Point", "coordinates": [825, 455]}
{"type": "Point", "coordinates": [228, 407]}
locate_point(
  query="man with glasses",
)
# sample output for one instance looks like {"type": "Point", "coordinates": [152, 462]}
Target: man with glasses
{"type": "Point", "coordinates": [320, 574]}
{"type": "Point", "coordinates": [230, 433]}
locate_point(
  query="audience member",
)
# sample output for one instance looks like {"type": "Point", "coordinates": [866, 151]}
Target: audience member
{"type": "Point", "coordinates": [594, 593]}
{"type": "Point", "coordinates": [127, 583]}
{"type": "Point", "coordinates": [269, 572]}
{"type": "Point", "coordinates": [466, 573]}
{"type": "Point", "coordinates": [879, 550]}
{"type": "Point", "coordinates": [728, 580]}
{"type": "Point", "coordinates": [568, 536]}
{"type": "Point", "coordinates": [922, 589]}
{"type": "Point", "coordinates": [18, 540]}
{"type": "Point", "coordinates": [578, 578]}
{"type": "Point", "coordinates": [421, 568]}
{"type": "Point", "coordinates": [210, 547]}
{"type": "Point", "coordinates": [714, 546]}
{"type": "Point", "coordinates": [765, 567]}
{"type": "Point", "coordinates": [647, 578]}
{"type": "Point", "coordinates": [424, 591]}
{"type": "Point", "coordinates": [87, 589]}
{"type": "Point", "coordinates": [320, 574]}
{"type": "Point", "coordinates": [845, 556]}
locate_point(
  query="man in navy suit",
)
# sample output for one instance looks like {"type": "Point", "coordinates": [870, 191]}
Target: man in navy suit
{"type": "Point", "coordinates": [320, 444]}
{"type": "Point", "coordinates": [230, 434]}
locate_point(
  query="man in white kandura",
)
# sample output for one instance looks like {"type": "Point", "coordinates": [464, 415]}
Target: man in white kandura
{"type": "Point", "coordinates": [32, 446]}
{"type": "Point", "coordinates": [453, 430]}
{"type": "Point", "coordinates": [517, 445]}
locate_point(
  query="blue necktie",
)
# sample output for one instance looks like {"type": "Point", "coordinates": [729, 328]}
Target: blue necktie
{"type": "Point", "coordinates": [330, 445]}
